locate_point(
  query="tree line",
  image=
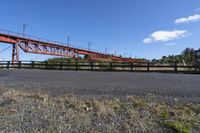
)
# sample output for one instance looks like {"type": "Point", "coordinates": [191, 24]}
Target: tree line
{"type": "Point", "coordinates": [187, 56]}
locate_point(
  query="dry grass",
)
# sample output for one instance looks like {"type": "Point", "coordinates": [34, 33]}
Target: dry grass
{"type": "Point", "coordinates": [36, 112]}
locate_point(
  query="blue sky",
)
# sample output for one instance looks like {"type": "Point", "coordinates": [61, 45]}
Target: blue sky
{"type": "Point", "coordinates": [139, 28]}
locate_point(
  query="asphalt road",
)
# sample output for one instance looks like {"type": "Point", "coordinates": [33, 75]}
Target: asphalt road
{"type": "Point", "coordinates": [103, 83]}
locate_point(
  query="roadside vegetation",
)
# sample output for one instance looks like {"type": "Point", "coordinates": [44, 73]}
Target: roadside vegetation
{"type": "Point", "coordinates": [22, 111]}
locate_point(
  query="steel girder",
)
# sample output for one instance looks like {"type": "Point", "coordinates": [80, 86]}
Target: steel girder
{"type": "Point", "coordinates": [38, 46]}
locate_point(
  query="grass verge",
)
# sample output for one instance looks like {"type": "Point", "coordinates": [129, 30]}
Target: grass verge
{"type": "Point", "coordinates": [36, 112]}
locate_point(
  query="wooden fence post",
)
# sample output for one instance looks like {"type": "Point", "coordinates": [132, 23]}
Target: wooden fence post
{"type": "Point", "coordinates": [175, 67]}
{"type": "Point", "coordinates": [110, 66]}
{"type": "Point", "coordinates": [8, 65]}
{"type": "Point", "coordinates": [148, 65]}
{"type": "Point", "coordinates": [32, 64]}
{"type": "Point", "coordinates": [76, 65]}
{"type": "Point", "coordinates": [195, 67]}
{"type": "Point", "coordinates": [131, 67]}
{"type": "Point", "coordinates": [46, 65]}
{"type": "Point", "coordinates": [19, 65]}
{"type": "Point", "coordinates": [91, 66]}
{"type": "Point", "coordinates": [61, 66]}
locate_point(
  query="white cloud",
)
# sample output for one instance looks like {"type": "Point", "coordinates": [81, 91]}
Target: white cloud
{"type": "Point", "coordinates": [188, 19]}
{"type": "Point", "coordinates": [147, 40]}
{"type": "Point", "coordinates": [164, 36]}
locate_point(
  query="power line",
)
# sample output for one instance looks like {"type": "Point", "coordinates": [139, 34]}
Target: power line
{"type": "Point", "coordinates": [5, 49]}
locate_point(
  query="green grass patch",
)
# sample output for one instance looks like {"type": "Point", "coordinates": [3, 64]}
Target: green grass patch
{"type": "Point", "coordinates": [165, 114]}
{"type": "Point", "coordinates": [178, 126]}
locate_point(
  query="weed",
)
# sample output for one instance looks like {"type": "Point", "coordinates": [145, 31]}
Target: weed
{"type": "Point", "coordinates": [138, 102]}
{"type": "Point", "coordinates": [165, 114]}
{"type": "Point", "coordinates": [2, 110]}
{"type": "Point", "coordinates": [115, 104]}
{"type": "Point", "coordinates": [178, 126]}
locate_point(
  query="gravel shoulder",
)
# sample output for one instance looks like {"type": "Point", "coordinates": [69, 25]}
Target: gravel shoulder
{"type": "Point", "coordinates": [22, 111]}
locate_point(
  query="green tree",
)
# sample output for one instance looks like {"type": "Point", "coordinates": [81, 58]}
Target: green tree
{"type": "Point", "coordinates": [188, 55]}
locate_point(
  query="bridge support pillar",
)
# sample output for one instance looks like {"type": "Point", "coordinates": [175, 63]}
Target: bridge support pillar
{"type": "Point", "coordinates": [15, 53]}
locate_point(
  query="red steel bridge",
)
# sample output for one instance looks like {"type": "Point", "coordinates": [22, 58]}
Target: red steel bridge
{"type": "Point", "coordinates": [35, 45]}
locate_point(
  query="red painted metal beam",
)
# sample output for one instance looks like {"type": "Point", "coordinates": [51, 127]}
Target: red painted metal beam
{"type": "Point", "coordinates": [7, 39]}
{"type": "Point", "coordinates": [37, 46]}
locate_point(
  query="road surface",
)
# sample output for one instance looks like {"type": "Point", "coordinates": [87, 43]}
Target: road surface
{"type": "Point", "coordinates": [103, 83]}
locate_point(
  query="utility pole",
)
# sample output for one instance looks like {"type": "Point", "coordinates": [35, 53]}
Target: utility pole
{"type": "Point", "coordinates": [89, 44]}
{"type": "Point", "coordinates": [106, 50]}
{"type": "Point", "coordinates": [115, 52]}
{"type": "Point", "coordinates": [24, 29]}
{"type": "Point", "coordinates": [124, 54]}
{"type": "Point", "coordinates": [68, 39]}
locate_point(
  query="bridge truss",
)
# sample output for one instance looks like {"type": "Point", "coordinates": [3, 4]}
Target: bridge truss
{"type": "Point", "coordinates": [35, 45]}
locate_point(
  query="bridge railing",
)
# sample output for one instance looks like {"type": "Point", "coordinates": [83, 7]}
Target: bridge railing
{"type": "Point", "coordinates": [101, 66]}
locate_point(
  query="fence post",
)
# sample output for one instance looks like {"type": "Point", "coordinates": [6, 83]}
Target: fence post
{"type": "Point", "coordinates": [91, 66]}
{"type": "Point", "coordinates": [32, 64]}
{"type": "Point", "coordinates": [8, 65]}
{"type": "Point", "coordinates": [61, 66]}
{"type": "Point", "coordinates": [175, 67]}
{"type": "Point", "coordinates": [197, 67]}
{"type": "Point", "coordinates": [131, 67]}
{"type": "Point", "coordinates": [148, 65]}
{"type": "Point", "coordinates": [76, 65]}
{"type": "Point", "coordinates": [110, 66]}
{"type": "Point", "coordinates": [19, 65]}
{"type": "Point", "coordinates": [46, 65]}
